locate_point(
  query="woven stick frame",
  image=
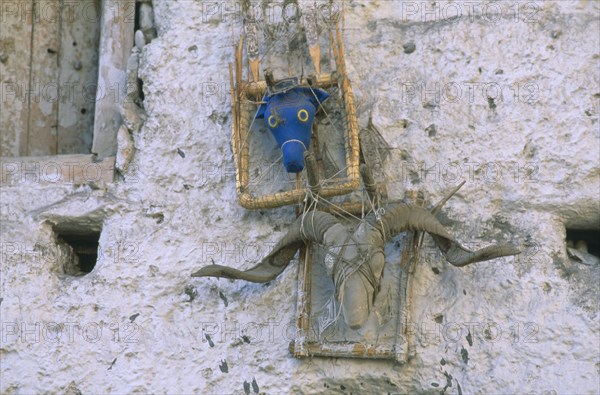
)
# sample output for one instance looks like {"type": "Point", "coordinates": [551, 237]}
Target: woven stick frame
{"type": "Point", "coordinates": [245, 94]}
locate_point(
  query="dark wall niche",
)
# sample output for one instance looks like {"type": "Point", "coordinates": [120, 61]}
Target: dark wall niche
{"type": "Point", "coordinates": [587, 240]}
{"type": "Point", "coordinates": [79, 250]}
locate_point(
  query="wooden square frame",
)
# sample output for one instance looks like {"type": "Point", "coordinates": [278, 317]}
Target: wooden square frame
{"type": "Point", "coordinates": [243, 96]}
{"type": "Point", "coordinates": [302, 347]}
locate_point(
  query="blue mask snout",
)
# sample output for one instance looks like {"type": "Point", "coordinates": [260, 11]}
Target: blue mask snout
{"type": "Point", "coordinates": [293, 155]}
{"type": "Point", "coordinates": [289, 116]}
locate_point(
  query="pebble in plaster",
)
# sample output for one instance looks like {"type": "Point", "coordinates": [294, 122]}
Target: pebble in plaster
{"type": "Point", "coordinates": [131, 112]}
{"type": "Point", "coordinates": [146, 20]}
{"type": "Point", "coordinates": [139, 40]}
{"type": "Point", "coordinates": [125, 149]}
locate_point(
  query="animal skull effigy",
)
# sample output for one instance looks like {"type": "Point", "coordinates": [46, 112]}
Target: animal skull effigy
{"type": "Point", "coordinates": [355, 258]}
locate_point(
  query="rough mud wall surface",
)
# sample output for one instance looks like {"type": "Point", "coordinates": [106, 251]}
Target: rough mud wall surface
{"type": "Point", "coordinates": [523, 132]}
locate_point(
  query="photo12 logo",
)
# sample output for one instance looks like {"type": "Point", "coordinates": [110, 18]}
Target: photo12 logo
{"type": "Point", "coordinates": [83, 92]}
{"type": "Point", "coordinates": [490, 93]}
{"type": "Point", "coordinates": [250, 332]}
{"type": "Point", "coordinates": [485, 332]}
{"type": "Point", "coordinates": [68, 332]}
{"type": "Point", "coordinates": [53, 253]}
{"type": "Point", "coordinates": [269, 13]}
{"type": "Point", "coordinates": [229, 252]}
{"type": "Point", "coordinates": [472, 172]}
{"type": "Point", "coordinates": [15, 171]}
{"type": "Point", "coordinates": [486, 11]}
{"type": "Point", "coordinates": [65, 11]}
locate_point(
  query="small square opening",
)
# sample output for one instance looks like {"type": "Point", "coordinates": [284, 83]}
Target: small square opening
{"type": "Point", "coordinates": [82, 251]}
{"type": "Point", "coordinates": [587, 240]}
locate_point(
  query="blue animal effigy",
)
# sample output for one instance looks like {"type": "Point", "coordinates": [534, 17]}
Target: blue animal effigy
{"type": "Point", "coordinates": [289, 115]}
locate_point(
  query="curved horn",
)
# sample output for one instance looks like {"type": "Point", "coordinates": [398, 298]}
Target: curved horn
{"type": "Point", "coordinates": [402, 217]}
{"type": "Point", "coordinates": [459, 256]}
{"type": "Point", "coordinates": [310, 227]}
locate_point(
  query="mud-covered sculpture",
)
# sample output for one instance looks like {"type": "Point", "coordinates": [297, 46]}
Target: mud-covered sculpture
{"type": "Point", "coordinates": [355, 257]}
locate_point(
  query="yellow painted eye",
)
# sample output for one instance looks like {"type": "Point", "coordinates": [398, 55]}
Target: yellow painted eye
{"type": "Point", "coordinates": [303, 115]}
{"type": "Point", "coordinates": [272, 121]}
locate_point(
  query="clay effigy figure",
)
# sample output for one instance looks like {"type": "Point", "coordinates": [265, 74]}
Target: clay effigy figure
{"type": "Point", "coordinates": [355, 257]}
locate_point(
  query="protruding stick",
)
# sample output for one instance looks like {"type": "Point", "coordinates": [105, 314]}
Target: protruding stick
{"type": "Point", "coordinates": [234, 107]}
{"type": "Point", "coordinates": [254, 69]}
{"type": "Point", "coordinates": [441, 203]}
{"type": "Point", "coordinates": [435, 210]}
{"type": "Point", "coordinates": [239, 63]}
{"type": "Point", "coordinates": [251, 33]}
{"type": "Point", "coordinates": [315, 54]}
